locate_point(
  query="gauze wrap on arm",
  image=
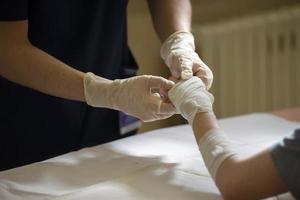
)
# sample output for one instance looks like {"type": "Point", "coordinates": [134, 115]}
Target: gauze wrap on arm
{"type": "Point", "coordinates": [215, 148]}
{"type": "Point", "coordinates": [190, 97]}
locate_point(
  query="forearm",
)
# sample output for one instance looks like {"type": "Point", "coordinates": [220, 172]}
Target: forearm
{"type": "Point", "coordinates": [204, 122]}
{"type": "Point", "coordinates": [29, 66]}
{"type": "Point", "coordinates": [242, 178]}
{"type": "Point", "coordinates": [169, 16]}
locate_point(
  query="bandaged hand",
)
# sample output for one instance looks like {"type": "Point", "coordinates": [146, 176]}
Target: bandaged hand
{"type": "Point", "coordinates": [178, 52]}
{"type": "Point", "coordinates": [190, 97]}
{"type": "Point", "coordinates": [132, 96]}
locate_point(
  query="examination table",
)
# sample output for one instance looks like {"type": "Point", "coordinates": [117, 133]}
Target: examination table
{"type": "Point", "coordinates": [161, 164]}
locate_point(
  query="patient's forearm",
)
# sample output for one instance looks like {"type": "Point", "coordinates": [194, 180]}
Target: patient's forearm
{"type": "Point", "coordinates": [204, 122]}
{"type": "Point", "coordinates": [241, 178]}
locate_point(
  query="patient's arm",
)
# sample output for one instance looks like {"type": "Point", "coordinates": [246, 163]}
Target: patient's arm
{"type": "Point", "coordinates": [254, 177]}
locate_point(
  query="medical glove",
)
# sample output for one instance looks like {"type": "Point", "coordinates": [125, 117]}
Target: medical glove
{"type": "Point", "coordinates": [132, 96]}
{"type": "Point", "coordinates": [178, 52]}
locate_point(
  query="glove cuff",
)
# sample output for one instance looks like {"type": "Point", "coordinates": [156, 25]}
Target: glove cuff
{"type": "Point", "coordinates": [179, 39]}
{"type": "Point", "coordinates": [98, 91]}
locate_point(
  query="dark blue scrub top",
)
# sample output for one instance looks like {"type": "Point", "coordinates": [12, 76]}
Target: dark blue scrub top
{"type": "Point", "coordinates": [286, 159]}
{"type": "Point", "coordinates": [89, 35]}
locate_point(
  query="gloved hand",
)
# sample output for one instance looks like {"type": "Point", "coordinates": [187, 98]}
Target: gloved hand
{"type": "Point", "coordinates": [190, 97]}
{"type": "Point", "coordinates": [178, 52]}
{"type": "Point", "coordinates": [132, 96]}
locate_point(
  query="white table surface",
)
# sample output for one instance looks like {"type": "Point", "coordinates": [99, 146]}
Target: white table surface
{"type": "Point", "coordinates": [161, 164]}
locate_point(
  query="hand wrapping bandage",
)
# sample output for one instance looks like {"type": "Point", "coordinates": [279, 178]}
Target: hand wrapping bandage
{"type": "Point", "coordinates": [178, 52]}
{"type": "Point", "coordinates": [132, 95]}
{"type": "Point", "coordinates": [191, 97]}
{"type": "Point", "coordinates": [215, 148]}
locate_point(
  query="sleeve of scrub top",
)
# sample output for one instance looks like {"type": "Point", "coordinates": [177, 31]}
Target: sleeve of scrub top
{"type": "Point", "coordinates": [13, 10]}
{"type": "Point", "coordinates": [286, 158]}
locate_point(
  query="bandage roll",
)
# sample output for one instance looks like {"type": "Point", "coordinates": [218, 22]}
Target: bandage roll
{"type": "Point", "coordinates": [215, 148]}
{"type": "Point", "coordinates": [190, 97]}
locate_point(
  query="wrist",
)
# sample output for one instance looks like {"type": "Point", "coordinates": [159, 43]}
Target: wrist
{"type": "Point", "coordinates": [113, 90]}
{"type": "Point", "coordinates": [97, 90]}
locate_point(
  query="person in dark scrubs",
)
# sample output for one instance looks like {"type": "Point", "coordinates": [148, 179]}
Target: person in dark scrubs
{"type": "Point", "coordinates": [46, 49]}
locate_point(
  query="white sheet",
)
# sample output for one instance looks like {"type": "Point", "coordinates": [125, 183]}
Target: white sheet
{"type": "Point", "coordinates": [162, 164]}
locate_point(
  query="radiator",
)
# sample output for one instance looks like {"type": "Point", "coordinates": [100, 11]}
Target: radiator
{"type": "Point", "coordinates": [255, 61]}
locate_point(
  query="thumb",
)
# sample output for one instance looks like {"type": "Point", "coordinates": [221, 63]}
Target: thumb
{"type": "Point", "coordinates": [161, 107]}
{"type": "Point", "coordinates": [205, 74]}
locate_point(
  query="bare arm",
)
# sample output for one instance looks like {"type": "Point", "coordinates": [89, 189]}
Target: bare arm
{"type": "Point", "coordinates": [242, 178]}
{"type": "Point", "coordinates": [169, 16]}
{"type": "Point", "coordinates": [27, 65]}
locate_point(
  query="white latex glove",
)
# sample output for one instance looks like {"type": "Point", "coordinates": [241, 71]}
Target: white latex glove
{"type": "Point", "coordinates": [178, 52]}
{"type": "Point", "coordinates": [132, 96]}
{"type": "Point", "coordinates": [191, 97]}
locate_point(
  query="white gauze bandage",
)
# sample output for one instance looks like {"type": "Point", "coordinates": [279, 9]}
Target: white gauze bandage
{"type": "Point", "coordinates": [215, 148]}
{"type": "Point", "coordinates": [190, 97]}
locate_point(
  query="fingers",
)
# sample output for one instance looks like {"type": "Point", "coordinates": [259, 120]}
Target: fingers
{"type": "Point", "coordinates": [159, 106]}
{"type": "Point", "coordinates": [164, 116]}
{"type": "Point", "coordinates": [175, 72]}
{"type": "Point", "coordinates": [186, 69]}
{"type": "Point", "coordinates": [174, 79]}
{"type": "Point", "coordinates": [164, 95]}
{"type": "Point", "coordinates": [186, 64]}
{"type": "Point", "coordinates": [161, 95]}
{"type": "Point", "coordinates": [160, 82]}
{"type": "Point", "coordinates": [205, 75]}
{"type": "Point", "coordinates": [158, 117]}
{"type": "Point", "coordinates": [159, 109]}
{"type": "Point", "coordinates": [186, 74]}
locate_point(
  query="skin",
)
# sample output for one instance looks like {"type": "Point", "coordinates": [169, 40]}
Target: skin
{"type": "Point", "coordinates": [169, 16]}
{"type": "Point", "coordinates": [253, 177]}
{"type": "Point", "coordinates": [25, 64]}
